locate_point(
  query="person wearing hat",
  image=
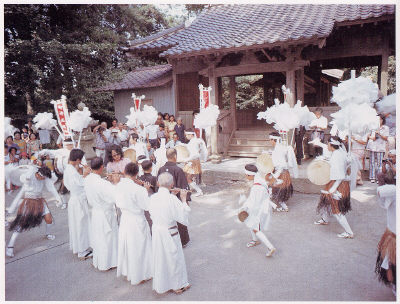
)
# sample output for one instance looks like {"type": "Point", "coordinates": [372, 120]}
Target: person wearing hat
{"type": "Point", "coordinates": [335, 198]}
{"type": "Point", "coordinates": [33, 208]}
{"type": "Point", "coordinates": [388, 169]}
{"type": "Point", "coordinates": [258, 207]}
{"type": "Point", "coordinates": [192, 168]}
{"type": "Point", "coordinates": [283, 158]}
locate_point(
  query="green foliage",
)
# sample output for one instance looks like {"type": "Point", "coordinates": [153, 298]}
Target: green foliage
{"type": "Point", "coordinates": [373, 73]}
{"type": "Point", "coordinates": [54, 49]}
{"type": "Point", "coordinates": [195, 9]}
{"type": "Point", "coordinates": [247, 94]}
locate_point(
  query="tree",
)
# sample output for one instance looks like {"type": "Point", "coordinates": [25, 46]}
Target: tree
{"type": "Point", "coordinates": [54, 49]}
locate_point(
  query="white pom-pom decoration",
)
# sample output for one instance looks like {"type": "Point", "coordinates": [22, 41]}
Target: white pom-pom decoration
{"type": "Point", "coordinates": [148, 116]}
{"type": "Point", "coordinates": [207, 117]}
{"type": "Point", "coordinates": [387, 104]}
{"type": "Point", "coordinates": [79, 120]}
{"type": "Point", "coordinates": [304, 114]}
{"type": "Point", "coordinates": [44, 121]}
{"type": "Point", "coordinates": [355, 91]}
{"type": "Point", "coordinates": [133, 118]}
{"type": "Point", "coordinates": [9, 129]}
{"type": "Point", "coordinates": [356, 118]}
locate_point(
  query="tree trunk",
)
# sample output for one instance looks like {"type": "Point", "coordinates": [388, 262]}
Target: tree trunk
{"type": "Point", "coordinates": [29, 109]}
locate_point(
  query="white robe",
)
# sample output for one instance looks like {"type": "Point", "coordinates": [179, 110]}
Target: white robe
{"type": "Point", "coordinates": [134, 240]}
{"type": "Point", "coordinates": [258, 206]}
{"type": "Point", "coordinates": [78, 212]}
{"type": "Point", "coordinates": [387, 200]}
{"type": "Point", "coordinates": [283, 158]}
{"type": "Point", "coordinates": [104, 227]}
{"type": "Point", "coordinates": [168, 259]}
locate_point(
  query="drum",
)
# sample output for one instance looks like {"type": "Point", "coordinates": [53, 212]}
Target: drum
{"type": "Point", "coordinates": [16, 174]}
{"type": "Point", "coordinates": [49, 164]}
{"type": "Point", "coordinates": [318, 172]}
{"type": "Point", "coordinates": [131, 154]}
{"type": "Point", "coordinates": [264, 163]}
{"type": "Point", "coordinates": [182, 153]}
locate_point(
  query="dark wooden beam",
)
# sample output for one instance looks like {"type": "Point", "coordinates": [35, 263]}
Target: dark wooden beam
{"type": "Point", "coordinates": [340, 52]}
{"type": "Point", "coordinates": [260, 68]}
{"type": "Point", "coordinates": [300, 85]}
{"type": "Point", "coordinates": [364, 21]}
{"type": "Point", "coordinates": [232, 97]}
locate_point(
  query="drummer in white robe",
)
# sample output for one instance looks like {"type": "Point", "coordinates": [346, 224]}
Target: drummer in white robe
{"type": "Point", "coordinates": [168, 259]}
{"type": "Point", "coordinates": [258, 206]}
{"type": "Point", "coordinates": [134, 240]}
{"type": "Point", "coordinates": [78, 211]}
{"type": "Point", "coordinates": [104, 227]}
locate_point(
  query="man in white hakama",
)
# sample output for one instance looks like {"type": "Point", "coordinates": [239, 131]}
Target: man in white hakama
{"type": "Point", "coordinates": [78, 211]}
{"type": "Point", "coordinates": [258, 207]}
{"type": "Point", "coordinates": [104, 227]}
{"type": "Point", "coordinates": [134, 240]}
{"type": "Point", "coordinates": [168, 259]}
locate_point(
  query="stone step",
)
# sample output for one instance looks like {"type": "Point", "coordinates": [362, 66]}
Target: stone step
{"type": "Point", "coordinates": [247, 148]}
{"type": "Point", "coordinates": [243, 154]}
{"type": "Point", "coordinates": [250, 141]}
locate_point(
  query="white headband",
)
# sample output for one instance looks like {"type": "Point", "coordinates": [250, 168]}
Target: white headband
{"type": "Point", "coordinates": [247, 172]}
{"type": "Point", "coordinates": [190, 133]}
{"type": "Point", "coordinates": [274, 137]}
{"type": "Point", "coordinates": [334, 142]}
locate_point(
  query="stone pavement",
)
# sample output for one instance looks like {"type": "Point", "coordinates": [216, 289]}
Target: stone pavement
{"type": "Point", "coordinates": [310, 263]}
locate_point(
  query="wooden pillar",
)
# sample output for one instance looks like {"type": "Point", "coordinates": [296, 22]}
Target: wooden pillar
{"type": "Point", "coordinates": [232, 97]}
{"type": "Point", "coordinates": [300, 85]}
{"type": "Point", "coordinates": [383, 71]}
{"type": "Point", "coordinates": [265, 90]}
{"type": "Point", "coordinates": [213, 83]}
{"type": "Point", "coordinates": [291, 84]}
{"type": "Point", "coordinates": [175, 92]}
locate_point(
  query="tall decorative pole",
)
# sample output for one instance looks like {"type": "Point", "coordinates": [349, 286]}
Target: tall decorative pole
{"type": "Point", "coordinates": [137, 102]}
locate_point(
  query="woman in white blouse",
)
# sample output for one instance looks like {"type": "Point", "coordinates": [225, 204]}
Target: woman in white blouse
{"type": "Point", "coordinates": [377, 147]}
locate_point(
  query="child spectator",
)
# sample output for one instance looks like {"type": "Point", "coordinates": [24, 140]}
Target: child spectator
{"type": "Point", "coordinates": [24, 159]}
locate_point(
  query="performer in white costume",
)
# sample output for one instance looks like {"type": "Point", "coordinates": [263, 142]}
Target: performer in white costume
{"type": "Point", "coordinates": [78, 210]}
{"type": "Point", "coordinates": [104, 227]}
{"type": "Point", "coordinates": [168, 259]}
{"type": "Point", "coordinates": [335, 199]}
{"type": "Point", "coordinates": [258, 206]}
{"type": "Point", "coordinates": [134, 240]}
{"type": "Point", "coordinates": [198, 151]}
{"type": "Point", "coordinates": [386, 260]}
{"type": "Point", "coordinates": [138, 146]}
{"type": "Point", "coordinates": [283, 158]}
{"type": "Point", "coordinates": [33, 208]}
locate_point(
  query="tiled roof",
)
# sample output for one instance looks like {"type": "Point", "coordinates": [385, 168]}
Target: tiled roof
{"type": "Point", "coordinates": [241, 25]}
{"type": "Point", "coordinates": [148, 77]}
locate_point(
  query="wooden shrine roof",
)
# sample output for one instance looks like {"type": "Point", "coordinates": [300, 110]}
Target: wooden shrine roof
{"type": "Point", "coordinates": [224, 27]}
{"type": "Point", "coordinates": [148, 77]}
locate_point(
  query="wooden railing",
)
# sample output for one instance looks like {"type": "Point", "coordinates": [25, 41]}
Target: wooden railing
{"type": "Point", "coordinates": [225, 130]}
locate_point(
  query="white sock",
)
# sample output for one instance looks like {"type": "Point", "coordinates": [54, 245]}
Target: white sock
{"type": "Point", "coordinates": [261, 236]}
{"type": "Point", "coordinates": [283, 205]}
{"type": "Point", "coordinates": [48, 230]}
{"type": "Point", "coordinates": [253, 236]}
{"type": "Point", "coordinates": [325, 217]}
{"type": "Point", "coordinates": [13, 239]}
{"type": "Point", "coordinates": [195, 187]}
{"type": "Point", "coordinates": [343, 222]}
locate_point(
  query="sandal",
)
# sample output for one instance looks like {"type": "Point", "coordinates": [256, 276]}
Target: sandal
{"type": "Point", "coordinates": [252, 244]}
{"type": "Point", "coordinates": [270, 252]}
{"type": "Point", "coordinates": [10, 252]}
{"type": "Point", "coordinates": [320, 222]}
{"type": "Point", "coordinates": [183, 289]}
{"type": "Point", "coordinates": [345, 235]}
{"type": "Point", "coordinates": [50, 237]}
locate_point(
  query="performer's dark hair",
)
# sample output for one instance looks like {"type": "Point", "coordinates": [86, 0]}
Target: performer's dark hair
{"type": "Point", "coordinates": [117, 149]}
{"type": "Point", "coordinates": [96, 163]}
{"type": "Point", "coordinates": [171, 153]}
{"type": "Point", "coordinates": [337, 138]}
{"type": "Point", "coordinates": [68, 139]}
{"type": "Point", "coordinates": [383, 119]}
{"type": "Point", "coordinates": [134, 136]}
{"type": "Point", "coordinates": [274, 133]}
{"type": "Point", "coordinates": [319, 110]}
{"type": "Point", "coordinates": [45, 171]}
{"type": "Point", "coordinates": [131, 169]}
{"type": "Point", "coordinates": [161, 125]}
{"type": "Point", "coordinates": [251, 167]}
{"type": "Point", "coordinates": [189, 130]}
{"type": "Point", "coordinates": [76, 154]}
{"type": "Point", "coordinates": [146, 165]}
{"type": "Point", "coordinates": [140, 157]}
